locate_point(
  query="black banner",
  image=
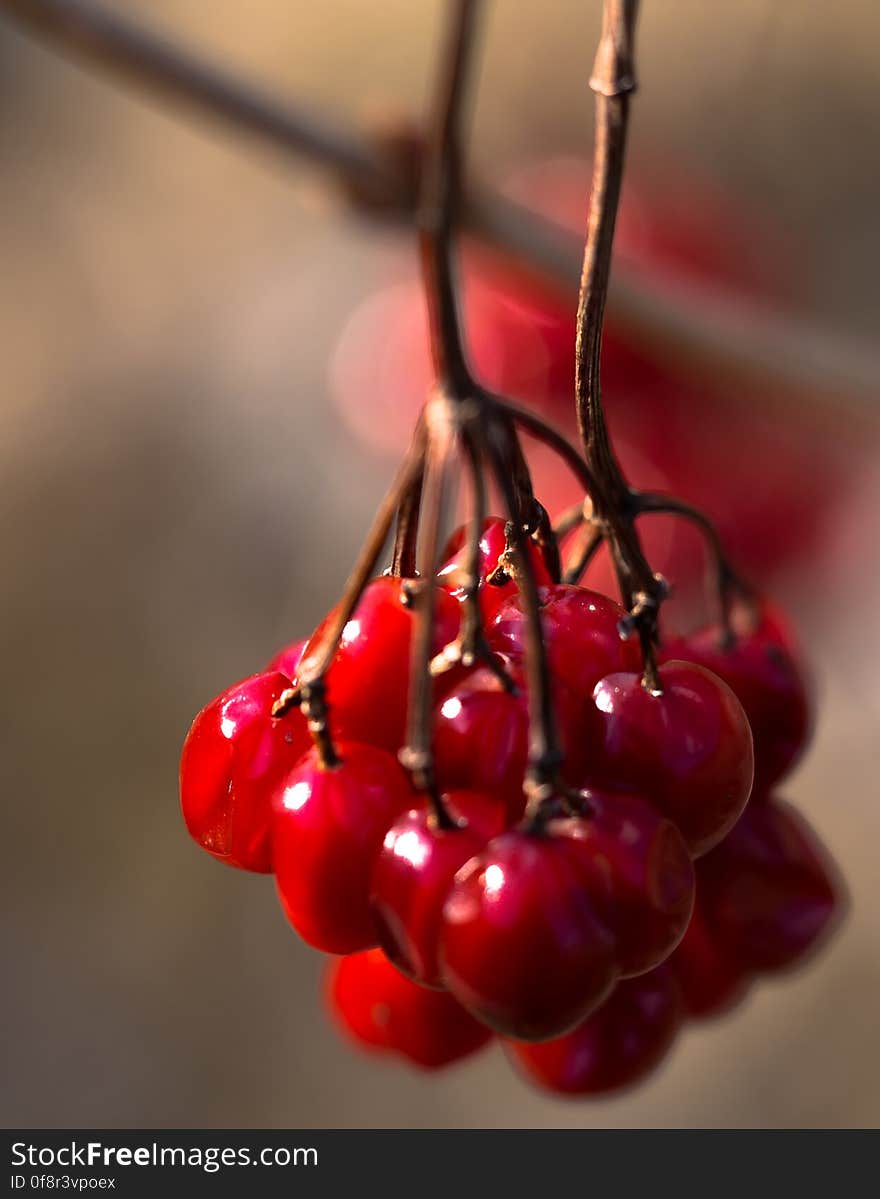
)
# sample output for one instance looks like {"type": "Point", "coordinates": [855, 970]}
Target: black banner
{"type": "Point", "coordinates": [389, 1162]}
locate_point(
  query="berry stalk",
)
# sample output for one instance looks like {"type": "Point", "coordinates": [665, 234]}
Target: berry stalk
{"type": "Point", "coordinates": [613, 80]}
{"type": "Point", "coordinates": [440, 202]}
{"type": "Point", "coordinates": [615, 505]}
{"type": "Point", "coordinates": [417, 757]}
{"type": "Point", "coordinates": [462, 412]}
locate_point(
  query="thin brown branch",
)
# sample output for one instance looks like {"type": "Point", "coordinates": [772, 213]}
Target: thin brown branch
{"type": "Point", "coordinates": [462, 410]}
{"type": "Point", "coordinates": [728, 583]}
{"type": "Point", "coordinates": [403, 559]}
{"type": "Point", "coordinates": [440, 204]}
{"type": "Point", "coordinates": [472, 620]}
{"type": "Point", "coordinates": [723, 332]}
{"type": "Point", "coordinates": [613, 80]}
{"type": "Point", "coordinates": [536, 427]}
{"type": "Point", "coordinates": [138, 55]}
{"type": "Point", "coordinates": [570, 519]}
{"type": "Point", "coordinates": [545, 751]}
{"type": "Point", "coordinates": [590, 540]}
{"type": "Point", "coordinates": [418, 754]}
{"type": "Point", "coordinates": [406, 535]}
{"type": "Point", "coordinates": [438, 214]}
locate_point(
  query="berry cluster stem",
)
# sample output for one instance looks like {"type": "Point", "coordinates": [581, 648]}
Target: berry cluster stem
{"type": "Point", "coordinates": [406, 536]}
{"type": "Point", "coordinates": [545, 754]}
{"type": "Point", "coordinates": [440, 203]}
{"type": "Point", "coordinates": [613, 81]}
{"type": "Point", "coordinates": [463, 420]}
{"type": "Point", "coordinates": [462, 412]}
{"type": "Point", "coordinates": [418, 756]}
{"type": "Point", "coordinates": [615, 506]}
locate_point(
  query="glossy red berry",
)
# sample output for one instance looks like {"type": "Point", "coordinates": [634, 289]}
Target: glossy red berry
{"type": "Point", "coordinates": [770, 890]}
{"type": "Point", "coordinates": [481, 733]}
{"type": "Point", "coordinates": [379, 1009]}
{"type": "Point", "coordinates": [763, 671]}
{"type": "Point", "coordinates": [688, 749]}
{"type": "Point", "coordinates": [288, 658]}
{"type": "Point", "coordinates": [638, 870]}
{"type": "Point", "coordinates": [522, 946]}
{"type": "Point", "coordinates": [618, 1045]}
{"type": "Point", "coordinates": [711, 981]}
{"type": "Point", "coordinates": [233, 755]}
{"type": "Point", "coordinates": [328, 828]}
{"type": "Point", "coordinates": [413, 874]}
{"type": "Point", "coordinates": [368, 679]}
{"type": "Point", "coordinates": [493, 543]}
{"type": "Point", "coordinates": [581, 634]}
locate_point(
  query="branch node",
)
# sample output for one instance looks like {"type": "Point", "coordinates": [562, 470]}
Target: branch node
{"type": "Point", "coordinates": [614, 67]}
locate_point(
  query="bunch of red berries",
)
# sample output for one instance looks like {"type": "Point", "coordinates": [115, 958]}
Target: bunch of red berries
{"type": "Point", "coordinates": [566, 926]}
{"type": "Point", "coordinates": [484, 787]}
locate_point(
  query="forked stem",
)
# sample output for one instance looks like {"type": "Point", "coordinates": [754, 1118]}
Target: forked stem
{"type": "Point", "coordinates": [613, 81]}
{"type": "Point", "coordinates": [440, 201]}
{"type": "Point", "coordinates": [728, 583]}
{"type": "Point", "coordinates": [438, 209]}
{"type": "Point", "coordinates": [471, 645]}
{"type": "Point", "coordinates": [418, 756]}
{"type": "Point", "coordinates": [545, 753]}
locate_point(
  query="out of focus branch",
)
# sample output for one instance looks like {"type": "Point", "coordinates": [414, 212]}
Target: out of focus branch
{"type": "Point", "coordinates": [727, 334]}
{"type": "Point", "coordinates": [145, 58]}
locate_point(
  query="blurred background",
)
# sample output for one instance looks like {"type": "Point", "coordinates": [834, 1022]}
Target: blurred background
{"type": "Point", "coordinates": [193, 376]}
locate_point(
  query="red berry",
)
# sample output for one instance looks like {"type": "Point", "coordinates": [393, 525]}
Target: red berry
{"type": "Point", "coordinates": [619, 1044]}
{"type": "Point", "coordinates": [413, 874]}
{"type": "Point", "coordinates": [288, 658]}
{"type": "Point", "coordinates": [368, 679]}
{"type": "Point", "coordinates": [378, 1008]}
{"type": "Point", "coordinates": [639, 873]}
{"type": "Point", "coordinates": [762, 670]}
{"type": "Point", "coordinates": [352, 986]}
{"type": "Point", "coordinates": [522, 946]}
{"type": "Point", "coordinates": [481, 734]}
{"type": "Point", "coordinates": [770, 889]}
{"type": "Point", "coordinates": [689, 749]}
{"type": "Point", "coordinates": [328, 828]}
{"type": "Point", "coordinates": [233, 755]}
{"type": "Point", "coordinates": [710, 980]}
{"type": "Point", "coordinates": [493, 543]}
{"type": "Point", "coordinates": [580, 633]}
